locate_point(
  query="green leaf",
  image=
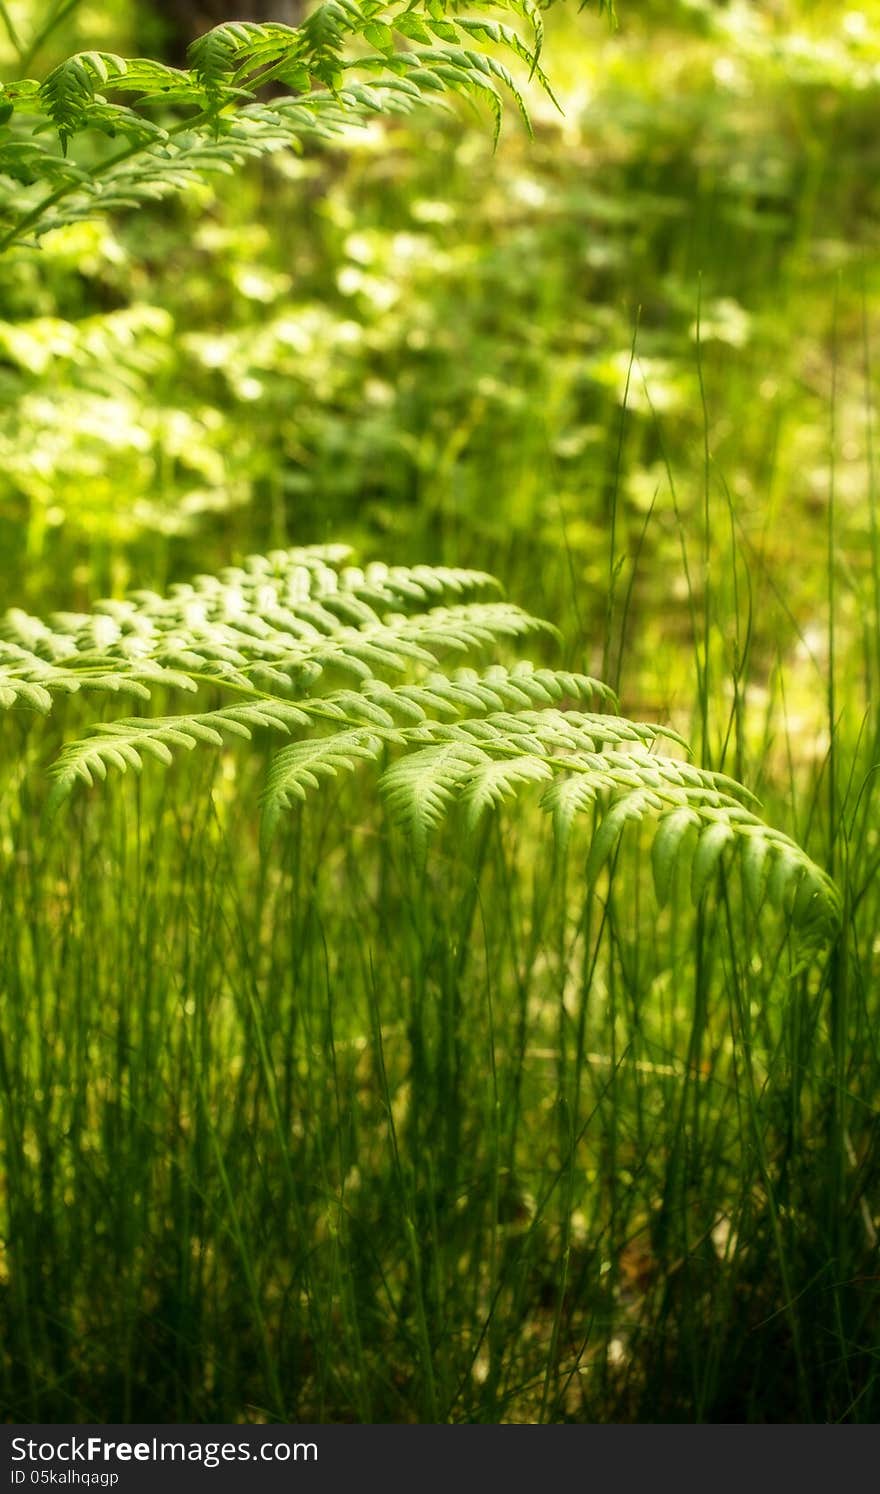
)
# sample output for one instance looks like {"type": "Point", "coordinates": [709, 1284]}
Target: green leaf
{"type": "Point", "coordinates": [756, 856]}
{"type": "Point", "coordinates": [379, 35]}
{"type": "Point", "coordinates": [666, 849]}
{"type": "Point", "coordinates": [409, 25]}
{"type": "Point", "coordinates": [707, 855]}
{"type": "Point", "coordinates": [611, 827]}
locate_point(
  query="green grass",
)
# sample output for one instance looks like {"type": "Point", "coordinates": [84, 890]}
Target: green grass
{"type": "Point", "coordinates": [329, 1137]}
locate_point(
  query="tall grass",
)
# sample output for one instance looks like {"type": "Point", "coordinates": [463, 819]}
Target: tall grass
{"type": "Point", "coordinates": [345, 1137]}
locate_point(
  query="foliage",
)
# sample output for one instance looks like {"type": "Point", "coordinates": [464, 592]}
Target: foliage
{"type": "Point", "coordinates": [481, 763]}
{"type": "Point", "coordinates": [406, 55]}
{"type": "Point", "coordinates": [272, 632]}
{"type": "Point", "coordinates": [358, 1132]}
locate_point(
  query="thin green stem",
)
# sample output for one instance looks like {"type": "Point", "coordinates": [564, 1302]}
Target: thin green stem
{"type": "Point", "coordinates": [57, 15]}
{"type": "Point", "coordinates": [9, 27]}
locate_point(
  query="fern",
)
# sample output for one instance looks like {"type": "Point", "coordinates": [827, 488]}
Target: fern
{"type": "Point", "coordinates": [344, 663]}
{"type": "Point", "coordinates": [348, 62]}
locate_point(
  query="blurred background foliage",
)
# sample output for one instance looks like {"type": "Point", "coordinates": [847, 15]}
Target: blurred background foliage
{"type": "Point", "coordinates": [443, 353]}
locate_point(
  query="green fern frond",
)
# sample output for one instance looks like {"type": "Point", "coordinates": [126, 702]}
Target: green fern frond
{"type": "Point", "coordinates": [344, 662]}
{"type": "Point", "coordinates": [71, 88]}
{"type": "Point", "coordinates": [211, 118]}
{"type": "Point", "coordinates": [212, 60]}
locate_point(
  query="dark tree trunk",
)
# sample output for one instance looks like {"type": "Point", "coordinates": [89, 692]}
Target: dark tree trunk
{"type": "Point", "coordinates": [175, 23]}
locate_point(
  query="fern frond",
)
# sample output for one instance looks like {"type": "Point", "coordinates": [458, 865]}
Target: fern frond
{"type": "Point", "coordinates": [345, 64]}
{"type": "Point", "coordinates": [344, 662]}
{"type": "Point", "coordinates": [499, 779]}
{"type": "Point", "coordinates": [71, 88]}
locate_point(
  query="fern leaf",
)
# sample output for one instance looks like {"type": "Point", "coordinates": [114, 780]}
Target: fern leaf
{"type": "Point", "coordinates": [420, 788]}
{"type": "Point", "coordinates": [346, 663]}
{"type": "Point", "coordinates": [713, 840]}
{"type": "Point", "coordinates": [631, 806]}
{"type": "Point", "coordinates": [756, 856]}
{"type": "Point", "coordinates": [424, 53]}
{"type": "Point", "coordinates": [666, 851]}
{"type": "Point", "coordinates": [495, 781]}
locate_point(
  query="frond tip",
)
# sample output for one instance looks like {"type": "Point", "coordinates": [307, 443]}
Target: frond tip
{"type": "Point", "coordinates": [346, 663]}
